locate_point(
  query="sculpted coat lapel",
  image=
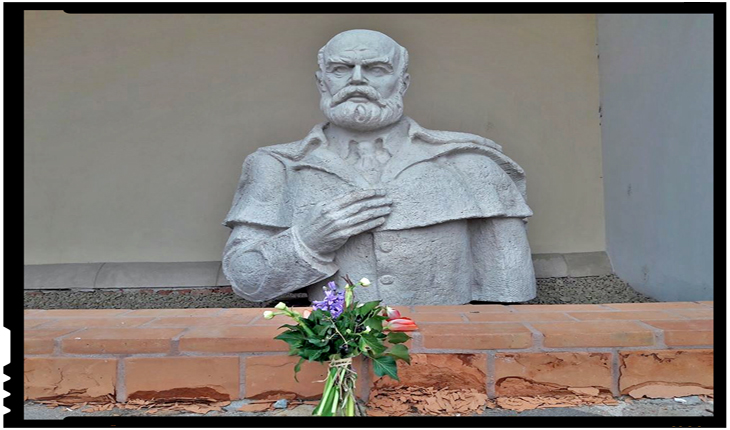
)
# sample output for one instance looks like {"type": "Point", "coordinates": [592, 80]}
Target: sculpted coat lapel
{"type": "Point", "coordinates": [448, 191]}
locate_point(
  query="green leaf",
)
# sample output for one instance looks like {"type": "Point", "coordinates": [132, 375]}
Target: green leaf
{"type": "Point", "coordinates": [317, 342]}
{"type": "Point", "coordinates": [385, 365]}
{"type": "Point", "coordinates": [374, 323]}
{"type": "Point", "coordinates": [397, 337]}
{"type": "Point", "coordinates": [373, 343]}
{"type": "Point", "coordinates": [399, 351]}
{"type": "Point", "coordinates": [290, 337]}
{"type": "Point", "coordinates": [367, 307]}
{"type": "Point", "coordinates": [298, 367]}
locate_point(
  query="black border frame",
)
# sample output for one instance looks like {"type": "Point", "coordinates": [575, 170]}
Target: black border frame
{"type": "Point", "coordinates": [13, 315]}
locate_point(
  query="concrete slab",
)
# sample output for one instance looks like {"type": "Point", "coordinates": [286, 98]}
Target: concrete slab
{"type": "Point", "coordinates": [157, 275]}
{"type": "Point", "coordinates": [222, 281]}
{"type": "Point", "coordinates": [60, 276]}
{"type": "Point", "coordinates": [549, 266]}
{"type": "Point", "coordinates": [588, 264]}
{"type": "Point", "coordinates": [644, 407]}
{"type": "Point", "coordinates": [209, 273]}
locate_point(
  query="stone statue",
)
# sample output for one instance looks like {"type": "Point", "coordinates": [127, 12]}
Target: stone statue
{"type": "Point", "coordinates": [430, 217]}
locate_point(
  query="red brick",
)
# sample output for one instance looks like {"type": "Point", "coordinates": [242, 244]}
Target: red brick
{"type": "Point", "coordinates": [252, 312]}
{"type": "Point", "coordinates": [667, 367]}
{"type": "Point", "coordinates": [594, 334]}
{"type": "Point", "coordinates": [461, 308]}
{"type": "Point", "coordinates": [707, 303]}
{"type": "Point", "coordinates": [28, 312]}
{"type": "Point", "coordinates": [654, 306]}
{"type": "Point", "coordinates": [695, 314]}
{"type": "Point", "coordinates": [120, 341]}
{"type": "Point", "coordinates": [436, 317]}
{"type": "Point", "coordinates": [272, 376]}
{"type": "Point", "coordinates": [529, 374]}
{"type": "Point", "coordinates": [232, 339]}
{"type": "Point", "coordinates": [625, 315]}
{"type": "Point", "coordinates": [684, 333]}
{"type": "Point", "coordinates": [41, 341]}
{"type": "Point", "coordinates": [455, 371]}
{"type": "Point", "coordinates": [120, 322]}
{"type": "Point", "coordinates": [518, 316]}
{"type": "Point", "coordinates": [556, 308]}
{"type": "Point", "coordinates": [205, 312]}
{"type": "Point", "coordinates": [200, 321]}
{"type": "Point", "coordinates": [476, 336]}
{"type": "Point", "coordinates": [80, 313]}
{"type": "Point", "coordinates": [182, 377]}
{"type": "Point", "coordinates": [73, 379]}
{"type": "Point", "coordinates": [33, 323]}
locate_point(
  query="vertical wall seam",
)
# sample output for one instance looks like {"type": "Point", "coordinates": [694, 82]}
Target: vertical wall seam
{"type": "Point", "coordinates": [96, 276]}
{"type": "Point", "coordinates": [121, 386]}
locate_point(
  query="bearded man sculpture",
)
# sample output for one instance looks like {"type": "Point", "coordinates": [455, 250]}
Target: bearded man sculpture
{"type": "Point", "coordinates": [430, 217]}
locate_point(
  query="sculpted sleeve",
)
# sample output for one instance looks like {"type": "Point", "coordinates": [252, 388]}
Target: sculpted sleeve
{"type": "Point", "coordinates": [503, 270]}
{"type": "Point", "coordinates": [264, 257]}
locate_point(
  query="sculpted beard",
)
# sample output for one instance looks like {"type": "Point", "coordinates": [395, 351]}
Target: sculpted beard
{"type": "Point", "coordinates": [376, 114]}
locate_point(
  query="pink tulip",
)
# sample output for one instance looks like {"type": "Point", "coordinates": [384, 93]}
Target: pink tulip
{"type": "Point", "coordinates": [401, 324]}
{"type": "Point", "coordinates": [392, 313]}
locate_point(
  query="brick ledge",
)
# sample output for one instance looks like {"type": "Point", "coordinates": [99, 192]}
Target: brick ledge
{"type": "Point", "coordinates": [505, 350]}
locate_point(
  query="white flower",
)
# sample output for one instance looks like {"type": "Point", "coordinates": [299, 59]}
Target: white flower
{"type": "Point", "coordinates": [281, 306]}
{"type": "Point", "coordinates": [365, 282]}
{"type": "Point", "coordinates": [268, 315]}
{"type": "Point", "coordinates": [367, 329]}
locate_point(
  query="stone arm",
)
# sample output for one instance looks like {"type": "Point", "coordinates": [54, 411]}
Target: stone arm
{"type": "Point", "coordinates": [503, 270]}
{"type": "Point", "coordinates": [263, 263]}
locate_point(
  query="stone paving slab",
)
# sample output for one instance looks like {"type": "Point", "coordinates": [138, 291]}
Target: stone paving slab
{"type": "Point", "coordinates": [692, 406]}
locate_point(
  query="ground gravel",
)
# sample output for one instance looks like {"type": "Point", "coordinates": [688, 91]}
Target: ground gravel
{"type": "Point", "coordinates": [592, 289]}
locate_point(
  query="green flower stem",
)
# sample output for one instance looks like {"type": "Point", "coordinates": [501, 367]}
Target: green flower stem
{"type": "Point", "coordinates": [326, 394]}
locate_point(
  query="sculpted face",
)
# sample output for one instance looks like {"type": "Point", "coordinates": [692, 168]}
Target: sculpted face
{"type": "Point", "coordinates": [362, 80]}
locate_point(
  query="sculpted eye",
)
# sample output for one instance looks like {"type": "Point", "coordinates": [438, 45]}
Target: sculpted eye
{"type": "Point", "coordinates": [378, 70]}
{"type": "Point", "coordinates": [340, 69]}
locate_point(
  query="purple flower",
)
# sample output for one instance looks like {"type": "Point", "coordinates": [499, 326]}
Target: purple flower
{"type": "Point", "coordinates": [333, 302]}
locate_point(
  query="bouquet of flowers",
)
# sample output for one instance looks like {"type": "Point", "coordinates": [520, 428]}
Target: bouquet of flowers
{"type": "Point", "coordinates": [339, 329]}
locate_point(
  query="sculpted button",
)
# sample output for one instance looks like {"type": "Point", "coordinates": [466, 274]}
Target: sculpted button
{"type": "Point", "coordinates": [386, 280]}
{"type": "Point", "coordinates": [386, 246]}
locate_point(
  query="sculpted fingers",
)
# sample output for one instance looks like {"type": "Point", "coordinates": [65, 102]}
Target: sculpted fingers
{"type": "Point", "coordinates": [360, 206]}
{"type": "Point", "coordinates": [361, 228]}
{"type": "Point", "coordinates": [350, 198]}
{"type": "Point", "coordinates": [368, 215]}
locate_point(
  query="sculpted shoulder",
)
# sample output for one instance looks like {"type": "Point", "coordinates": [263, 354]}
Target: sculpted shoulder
{"type": "Point", "coordinates": [443, 137]}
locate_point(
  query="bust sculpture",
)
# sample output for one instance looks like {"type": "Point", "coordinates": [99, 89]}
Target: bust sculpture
{"type": "Point", "coordinates": [430, 217]}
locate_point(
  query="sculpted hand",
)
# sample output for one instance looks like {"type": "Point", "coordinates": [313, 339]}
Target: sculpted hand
{"type": "Point", "coordinates": [329, 224]}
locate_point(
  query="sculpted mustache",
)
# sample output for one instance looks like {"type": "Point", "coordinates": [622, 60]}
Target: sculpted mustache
{"type": "Point", "coordinates": [367, 92]}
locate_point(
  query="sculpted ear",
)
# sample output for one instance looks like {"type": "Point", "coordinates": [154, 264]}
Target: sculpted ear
{"type": "Point", "coordinates": [320, 82]}
{"type": "Point", "coordinates": [405, 83]}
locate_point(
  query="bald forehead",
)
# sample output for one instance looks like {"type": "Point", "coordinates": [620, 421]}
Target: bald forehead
{"type": "Point", "coordinates": [358, 45]}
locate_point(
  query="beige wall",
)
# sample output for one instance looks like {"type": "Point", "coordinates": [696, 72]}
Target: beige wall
{"type": "Point", "coordinates": [136, 125]}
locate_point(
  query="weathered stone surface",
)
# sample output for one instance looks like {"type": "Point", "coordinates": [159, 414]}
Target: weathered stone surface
{"type": "Point", "coordinates": [430, 217]}
{"type": "Point", "coordinates": [527, 374]}
{"type": "Point", "coordinates": [72, 379]}
{"type": "Point", "coordinates": [687, 368]}
{"type": "Point", "coordinates": [182, 377]}
{"type": "Point", "coordinates": [453, 371]}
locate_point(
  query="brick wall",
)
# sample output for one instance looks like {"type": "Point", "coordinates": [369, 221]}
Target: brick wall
{"type": "Point", "coordinates": [500, 350]}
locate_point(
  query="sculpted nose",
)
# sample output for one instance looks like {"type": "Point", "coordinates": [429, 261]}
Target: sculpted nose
{"type": "Point", "coordinates": [357, 77]}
